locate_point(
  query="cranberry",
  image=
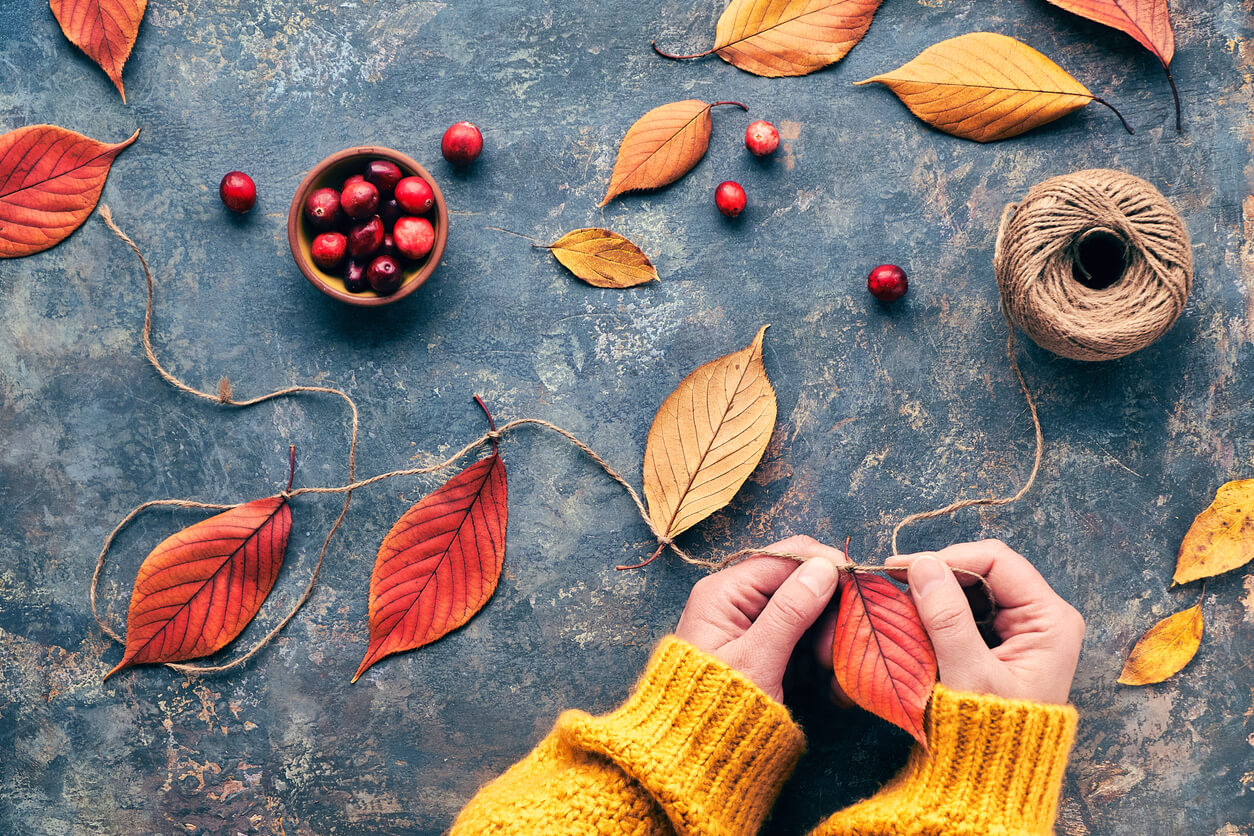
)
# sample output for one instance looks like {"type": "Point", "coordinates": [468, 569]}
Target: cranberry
{"type": "Point", "coordinates": [730, 198]}
{"type": "Point", "coordinates": [356, 178]}
{"type": "Point", "coordinates": [384, 174]}
{"type": "Point", "coordinates": [328, 250]}
{"type": "Point", "coordinates": [359, 200]}
{"type": "Point", "coordinates": [415, 195]}
{"type": "Point", "coordinates": [462, 144]}
{"type": "Point", "coordinates": [414, 237]}
{"type": "Point", "coordinates": [390, 211]}
{"type": "Point", "coordinates": [238, 191]}
{"type": "Point", "coordinates": [887, 283]}
{"type": "Point", "coordinates": [384, 274]}
{"type": "Point", "coordinates": [355, 277]}
{"type": "Point", "coordinates": [388, 247]}
{"type": "Point", "coordinates": [365, 239]}
{"type": "Point", "coordinates": [761, 138]}
{"type": "Point", "coordinates": [322, 208]}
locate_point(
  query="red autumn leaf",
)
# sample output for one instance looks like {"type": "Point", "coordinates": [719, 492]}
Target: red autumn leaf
{"type": "Point", "coordinates": [199, 589]}
{"type": "Point", "coordinates": [1147, 21]}
{"type": "Point", "coordinates": [50, 180]}
{"type": "Point", "coordinates": [881, 654]}
{"type": "Point", "coordinates": [440, 563]}
{"type": "Point", "coordinates": [104, 29]}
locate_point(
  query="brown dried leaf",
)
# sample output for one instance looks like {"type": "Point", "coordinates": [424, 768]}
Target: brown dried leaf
{"type": "Point", "coordinates": [603, 258]}
{"type": "Point", "coordinates": [1221, 538]}
{"type": "Point", "coordinates": [1165, 649]}
{"type": "Point", "coordinates": [104, 29]}
{"type": "Point", "coordinates": [662, 146]}
{"type": "Point", "coordinates": [794, 37]}
{"type": "Point", "coordinates": [707, 437]}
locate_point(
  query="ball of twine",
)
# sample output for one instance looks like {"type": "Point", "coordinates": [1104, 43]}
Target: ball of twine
{"type": "Point", "coordinates": [1093, 265]}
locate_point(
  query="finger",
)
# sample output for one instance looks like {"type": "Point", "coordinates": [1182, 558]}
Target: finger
{"type": "Point", "coordinates": [1012, 578]}
{"type": "Point", "coordinates": [751, 582]}
{"type": "Point", "coordinates": [824, 638]}
{"type": "Point", "coordinates": [961, 653]}
{"type": "Point", "coordinates": [795, 606]}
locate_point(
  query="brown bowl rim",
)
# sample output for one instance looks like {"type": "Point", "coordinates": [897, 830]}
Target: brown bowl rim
{"type": "Point", "coordinates": [295, 226]}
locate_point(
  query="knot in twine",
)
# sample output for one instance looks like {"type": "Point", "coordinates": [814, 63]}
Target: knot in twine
{"type": "Point", "coordinates": [1049, 244]}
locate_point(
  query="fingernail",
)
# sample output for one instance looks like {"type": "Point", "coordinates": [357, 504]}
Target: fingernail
{"type": "Point", "coordinates": [925, 573]}
{"type": "Point", "coordinates": [818, 576]}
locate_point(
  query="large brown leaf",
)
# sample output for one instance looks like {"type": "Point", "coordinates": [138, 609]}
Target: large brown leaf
{"type": "Point", "coordinates": [707, 437]}
{"type": "Point", "coordinates": [788, 37]}
{"type": "Point", "coordinates": [1148, 21]}
{"type": "Point", "coordinates": [200, 587]}
{"type": "Point", "coordinates": [603, 258]}
{"type": "Point", "coordinates": [1221, 538]}
{"type": "Point", "coordinates": [50, 180]}
{"type": "Point", "coordinates": [1165, 649]}
{"type": "Point", "coordinates": [662, 146]}
{"type": "Point", "coordinates": [104, 29]}
{"type": "Point", "coordinates": [881, 653]}
{"type": "Point", "coordinates": [440, 563]}
{"type": "Point", "coordinates": [985, 87]}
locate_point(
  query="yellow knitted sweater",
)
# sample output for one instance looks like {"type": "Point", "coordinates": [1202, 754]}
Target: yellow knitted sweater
{"type": "Point", "coordinates": [699, 749]}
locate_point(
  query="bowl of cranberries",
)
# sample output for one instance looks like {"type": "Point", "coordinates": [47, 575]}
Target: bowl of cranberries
{"type": "Point", "coordinates": [367, 225]}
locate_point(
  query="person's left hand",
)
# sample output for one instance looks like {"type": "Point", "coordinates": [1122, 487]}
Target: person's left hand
{"type": "Point", "coordinates": [752, 615]}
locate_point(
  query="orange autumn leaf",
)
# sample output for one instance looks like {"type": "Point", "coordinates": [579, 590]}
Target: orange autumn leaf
{"type": "Point", "coordinates": [662, 146]}
{"type": "Point", "coordinates": [707, 437]}
{"type": "Point", "coordinates": [104, 29]}
{"type": "Point", "coordinates": [603, 258]}
{"type": "Point", "coordinates": [787, 37]}
{"type": "Point", "coordinates": [881, 653]}
{"type": "Point", "coordinates": [50, 181]}
{"type": "Point", "coordinates": [1147, 21]}
{"type": "Point", "coordinates": [1221, 538]}
{"type": "Point", "coordinates": [985, 87]}
{"type": "Point", "coordinates": [1165, 649]}
{"type": "Point", "coordinates": [199, 588]}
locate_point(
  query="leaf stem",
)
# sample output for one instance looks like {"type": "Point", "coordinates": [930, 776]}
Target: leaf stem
{"type": "Point", "coordinates": [1100, 100]}
{"type": "Point", "coordinates": [491, 422]}
{"type": "Point", "coordinates": [291, 465]}
{"type": "Point", "coordinates": [679, 57]}
{"type": "Point", "coordinates": [652, 558]}
{"type": "Point", "coordinates": [1175, 94]}
{"type": "Point", "coordinates": [737, 104]}
{"type": "Point", "coordinates": [534, 241]}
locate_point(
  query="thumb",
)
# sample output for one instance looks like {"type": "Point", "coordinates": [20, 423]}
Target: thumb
{"type": "Point", "coordinates": [961, 653]}
{"type": "Point", "coordinates": [795, 606]}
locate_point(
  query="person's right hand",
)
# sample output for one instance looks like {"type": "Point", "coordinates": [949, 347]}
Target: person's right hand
{"type": "Point", "coordinates": [1040, 633]}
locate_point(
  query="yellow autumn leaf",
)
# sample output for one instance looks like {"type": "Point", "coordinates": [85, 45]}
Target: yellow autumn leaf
{"type": "Point", "coordinates": [1165, 649]}
{"type": "Point", "coordinates": [788, 37]}
{"type": "Point", "coordinates": [1221, 538]}
{"type": "Point", "coordinates": [662, 146]}
{"type": "Point", "coordinates": [986, 87]}
{"type": "Point", "coordinates": [707, 437]}
{"type": "Point", "coordinates": [603, 258]}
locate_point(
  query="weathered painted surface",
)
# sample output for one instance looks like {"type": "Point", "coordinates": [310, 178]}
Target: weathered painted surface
{"type": "Point", "coordinates": [883, 411]}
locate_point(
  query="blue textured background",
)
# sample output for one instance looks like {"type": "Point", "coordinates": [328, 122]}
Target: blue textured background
{"type": "Point", "coordinates": [883, 411]}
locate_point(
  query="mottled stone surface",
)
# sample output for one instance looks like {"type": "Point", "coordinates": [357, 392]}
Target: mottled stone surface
{"type": "Point", "coordinates": [883, 411]}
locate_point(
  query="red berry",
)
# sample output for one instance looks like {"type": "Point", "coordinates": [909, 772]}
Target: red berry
{"type": "Point", "coordinates": [328, 250]}
{"type": "Point", "coordinates": [415, 195]}
{"type": "Point", "coordinates": [390, 211]}
{"type": "Point", "coordinates": [887, 283]}
{"type": "Point", "coordinates": [414, 237]}
{"type": "Point", "coordinates": [238, 191]}
{"type": "Point", "coordinates": [359, 200]}
{"type": "Point", "coordinates": [356, 178]}
{"type": "Point", "coordinates": [730, 198]}
{"type": "Point", "coordinates": [322, 208]}
{"type": "Point", "coordinates": [355, 277]}
{"type": "Point", "coordinates": [365, 239]}
{"type": "Point", "coordinates": [384, 174]}
{"type": "Point", "coordinates": [385, 274]}
{"type": "Point", "coordinates": [761, 138]}
{"type": "Point", "coordinates": [462, 144]}
{"type": "Point", "coordinates": [388, 247]}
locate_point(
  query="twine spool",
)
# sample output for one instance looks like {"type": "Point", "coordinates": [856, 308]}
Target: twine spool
{"type": "Point", "coordinates": [1093, 265]}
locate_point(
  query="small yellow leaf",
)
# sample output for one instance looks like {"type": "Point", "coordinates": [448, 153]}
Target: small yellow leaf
{"type": "Point", "coordinates": [793, 37]}
{"type": "Point", "coordinates": [1166, 648]}
{"type": "Point", "coordinates": [707, 437]}
{"type": "Point", "coordinates": [662, 146]}
{"type": "Point", "coordinates": [603, 258]}
{"type": "Point", "coordinates": [985, 87]}
{"type": "Point", "coordinates": [1221, 538]}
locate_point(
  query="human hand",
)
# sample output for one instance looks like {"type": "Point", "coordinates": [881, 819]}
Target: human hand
{"type": "Point", "coordinates": [752, 615]}
{"type": "Point", "coordinates": [1040, 633]}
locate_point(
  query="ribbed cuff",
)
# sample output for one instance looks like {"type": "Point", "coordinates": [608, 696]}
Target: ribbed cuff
{"type": "Point", "coordinates": [703, 740]}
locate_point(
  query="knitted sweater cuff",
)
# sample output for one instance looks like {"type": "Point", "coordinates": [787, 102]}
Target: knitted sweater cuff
{"type": "Point", "coordinates": [710, 747]}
